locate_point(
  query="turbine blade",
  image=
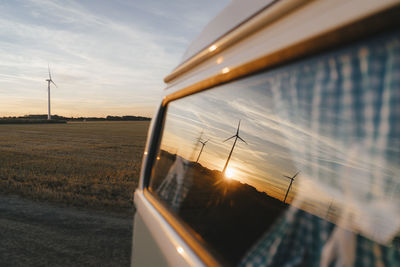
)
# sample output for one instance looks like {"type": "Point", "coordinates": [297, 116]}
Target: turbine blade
{"type": "Point", "coordinates": [296, 174]}
{"type": "Point", "coordinates": [229, 138]}
{"type": "Point", "coordinates": [242, 139]}
{"type": "Point", "coordinates": [201, 135]}
{"type": "Point", "coordinates": [237, 131]}
{"type": "Point", "coordinates": [54, 83]}
{"type": "Point", "coordinates": [48, 66]}
{"type": "Point", "coordinates": [287, 177]}
{"type": "Point", "coordinates": [207, 141]}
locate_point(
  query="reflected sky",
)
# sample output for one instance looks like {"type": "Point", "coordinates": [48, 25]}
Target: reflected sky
{"type": "Point", "coordinates": [214, 115]}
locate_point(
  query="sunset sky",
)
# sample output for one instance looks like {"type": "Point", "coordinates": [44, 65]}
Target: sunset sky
{"type": "Point", "coordinates": [106, 57]}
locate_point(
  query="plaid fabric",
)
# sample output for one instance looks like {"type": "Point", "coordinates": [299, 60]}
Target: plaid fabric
{"type": "Point", "coordinates": [349, 101]}
{"type": "Point", "coordinates": [175, 186]}
{"type": "Point", "coordinates": [295, 240]}
{"type": "Point", "coordinates": [299, 238]}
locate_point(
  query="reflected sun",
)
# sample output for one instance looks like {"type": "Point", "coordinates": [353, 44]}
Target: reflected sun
{"type": "Point", "coordinates": [229, 173]}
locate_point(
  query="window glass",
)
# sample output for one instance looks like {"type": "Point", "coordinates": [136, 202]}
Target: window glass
{"type": "Point", "coordinates": [297, 165]}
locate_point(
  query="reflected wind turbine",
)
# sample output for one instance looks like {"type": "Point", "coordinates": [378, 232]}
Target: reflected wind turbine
{"type": "Point", "coordinates": [202, 146]}
{"type": "Point", "coordinates": [49, 80]}
{"type": "Point", "coordinates": [290, 185]}
{"type": "Point", "coordinates": [236, 136]}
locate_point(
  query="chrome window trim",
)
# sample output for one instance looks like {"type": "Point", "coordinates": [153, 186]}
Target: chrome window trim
{"type": "Point", "coordinates": [384, 20]}
{"type": "Point", "coordinates": [271, 13]}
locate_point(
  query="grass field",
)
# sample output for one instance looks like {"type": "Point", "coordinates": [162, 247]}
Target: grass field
{"type": "Point", "coordinates": [91, 164]}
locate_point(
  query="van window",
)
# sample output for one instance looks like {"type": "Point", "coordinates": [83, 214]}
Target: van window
{"type": "Point", "coordinates": [295, 165]}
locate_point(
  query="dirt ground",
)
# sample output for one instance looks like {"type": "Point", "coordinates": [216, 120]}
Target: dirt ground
{"type": "Point", "coordinates": [40, 234]}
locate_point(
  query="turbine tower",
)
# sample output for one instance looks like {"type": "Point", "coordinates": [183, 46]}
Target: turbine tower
{"type": "Point", "coordinates": [236, 136]}
{"type": "Point", "coordinates": [201, 150]}
{"type": "Point", "coordinates": [290, 185]}
{"type": "Point", "coordinates": [49, 80]}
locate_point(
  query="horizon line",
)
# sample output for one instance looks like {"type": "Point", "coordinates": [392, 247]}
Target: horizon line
{"type": "Point", "coordinates": [80, 116]}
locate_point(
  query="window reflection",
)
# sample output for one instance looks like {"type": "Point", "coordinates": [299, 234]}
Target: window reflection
{"type": "Point", "coordinates": [240, 149]}
{"type": "Point", "coordinates": [318, 135]}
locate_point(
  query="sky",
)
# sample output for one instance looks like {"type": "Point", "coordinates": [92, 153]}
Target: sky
{"type": "Point", "coordinates": [106, 57]}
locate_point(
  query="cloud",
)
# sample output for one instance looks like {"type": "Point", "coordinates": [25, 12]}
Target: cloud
{"type": "Point", "coordinates": [95, 51]}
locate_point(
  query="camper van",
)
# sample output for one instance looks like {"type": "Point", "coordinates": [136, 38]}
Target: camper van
{"type": "Point", "coordinates": [277, 141]}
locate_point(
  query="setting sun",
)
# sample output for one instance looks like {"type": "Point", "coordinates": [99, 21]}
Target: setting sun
{"type": "Point", "coordinates": [229, 173]}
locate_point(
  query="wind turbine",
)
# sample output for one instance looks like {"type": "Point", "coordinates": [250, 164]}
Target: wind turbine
{"type": "Point", "coordinates": [201, 150]}
{"type": "Point", "coordinates": [49, 80]}
{"type": "Point", "coordinates": [236, 136]}
{"type": "Point", "coordinates": [290, 185]}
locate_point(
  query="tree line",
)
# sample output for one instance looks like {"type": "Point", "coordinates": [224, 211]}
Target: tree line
{"type": "Point", "coordinates": [62, 118]}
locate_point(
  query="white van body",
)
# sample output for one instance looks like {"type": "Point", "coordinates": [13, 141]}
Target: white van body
{"type": "Point", "coordinates": [246, 37]}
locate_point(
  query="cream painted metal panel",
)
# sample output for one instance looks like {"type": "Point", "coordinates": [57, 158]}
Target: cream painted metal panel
{"type": "Point", "coordinates": [145, 252]}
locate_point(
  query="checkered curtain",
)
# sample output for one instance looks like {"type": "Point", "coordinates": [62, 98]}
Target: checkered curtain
{"type": "Point", "coordinates": [298, 239]}
{"type": "Point", "coordinates": [349, 103]}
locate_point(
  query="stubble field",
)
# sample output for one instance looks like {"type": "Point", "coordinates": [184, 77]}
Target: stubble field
{"type": "Point", "coordinates": [88, 164]}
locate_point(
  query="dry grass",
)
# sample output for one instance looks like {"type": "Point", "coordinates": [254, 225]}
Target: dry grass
{"type": "Point", "coordinates": [93, 164]}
